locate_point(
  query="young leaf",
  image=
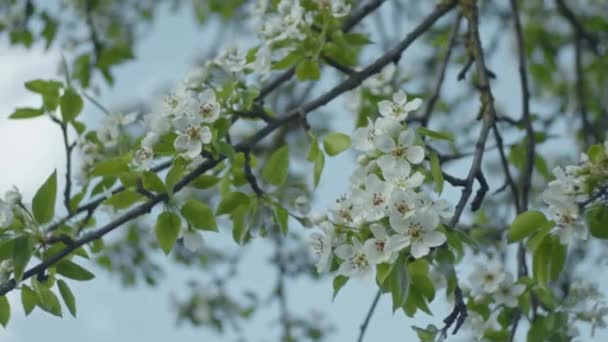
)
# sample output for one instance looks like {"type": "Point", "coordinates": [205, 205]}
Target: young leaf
{"type": "Point", "coordinates": [240, 226]}
{"type": "Point", "coordinates": [399, 283]}
{"type": "Point", "coordinates": [43, 203]}
{"type": "Point", "coordinates": [48, 301]}
{"type": "Point", "coordinates": [276, 169]}
{"type": "Point", "coordinates": [23, 249]}
{"type": "Point", "coordinates": [71, 105]}
{"type": "Point", "coordinates": [73, 271]}
{"type": "Point", "coordinates": [525, 224]}
{"type": "Point", "coordinates": [68, 296]}
{"type": "Point", "coordinates": [318, 169]}
{"type": "Point", "coordinates": [199, 215]}
{"type": "Point", "coordinates": [231, 201]}
{"type": "Point", "coordinates": [152, 182]}
{"type": "Point", "coordinates": [339, 283]}
{"type": "Point", "coordinates": [167, 230]}
{"type": "Point", "coordinates": [436, 172]}
{"type": "Point", "coordinates": [282, 217]}
{"type": "Point", "coordinates": [26, 113]}
{"type": "Point", "coordinates": [28, 299]}
{"type": "Point", "coordinates": [597, 220]}
{"type": "Point", "coordinates": [335, 143]}
{"type": "Point", "coordinates": [5, 311]}
{"type": "Point", "coordinates": [435, 134]}
{"type": "Point", "coordinates": [308, 69]}
{"type": "Point", "coordinates": [123, 199]}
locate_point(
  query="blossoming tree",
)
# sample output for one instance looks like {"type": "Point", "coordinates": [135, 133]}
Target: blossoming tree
{"type": "Point", "coordinates": [231, 150]}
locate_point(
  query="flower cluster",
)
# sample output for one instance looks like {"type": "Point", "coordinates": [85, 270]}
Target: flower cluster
{"type": "Point", "coordinates": [386, 211]}
{"type": "Point", "coordinates": [189, 115]}
{"type": "Point", "coordinates": [576, 188]}
{"type": "Point", "coordinates": [491, 280]}
{"type": "Point", "coordinates": [12, 200]}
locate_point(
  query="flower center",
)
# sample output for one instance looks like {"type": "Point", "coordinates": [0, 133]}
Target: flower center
{"type": "Point", "coordinates": [380, 246]}
{"type": "Point", "coordinates": [397, 109]}
{"type": "Point", "coordinates": [371, 134]}
{"type": "Point", "coordinates": [377, 199]}
{"type": "Point", "coordinates": [402, 208]}
{"type": "Point", "coordinates": [143, 154]}
{"type": "Point", "coordinates": [206, 109]}
{"type": "Point", "coordinates": [194, 133]}
{"type": "Point", "coordinates": [488, 278]}
{"type": "Point", "coordinates": [172, 102]}
{"type": "Point", "coordinates": [415, 230]}
{"type": "Point", "coordinates": [359, 260]}
{"type": "Point", "coordinates": [399, 151]}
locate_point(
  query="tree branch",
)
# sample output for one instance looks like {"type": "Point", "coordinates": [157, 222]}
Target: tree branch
{"type": "Point", "coordinates": [293, 115]}
{"type": "Point", "coordinates": [368, 317]}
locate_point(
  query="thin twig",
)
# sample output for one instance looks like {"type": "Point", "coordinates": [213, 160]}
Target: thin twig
{"type": "Point", "coordinates": [442, 69]}
{"type": "Point", "coordinates": [368, 317]}
{"type": "Point", "coordinates": [250, 176]}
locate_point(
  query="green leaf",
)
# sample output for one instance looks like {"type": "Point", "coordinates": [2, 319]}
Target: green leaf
{"type": "Point", "coordinates": [382, 272]}
{"type": "Point", "coordinates": [43, 203]}
{"type": "Point", "coordinates": [73, 271]}
{"type": "Point", "coordinates": [68, 296]}
{"type": "Point", "coordinates": [123, 199]}
{"type": "Point", "coordinates": [548, 260]}
{"type": "Point", "coordinates": [48, 301]}
{"type": "Point", "coordinates": [231, 201]}
{"type": "Point", "coordinates": [82, 69]}
{"type": "Point", "coordinates": [335, 143]}
{"type": "Point", "coordinates": [240, 227]}
{"type": "Point", "coordinates": [597, 220]}
{"type": "Point", "coordinates": [205, 182]}
{"type": "Point", "coordinates": [71, 105]}
{"type": "Point", "coordinates": [23, 249]}
{"type": "Point", "coordinates": [525, 224]}
{"type": "Point", "coordinates": [114, 55]}
{"type": "Point", "coordinates": [339, 283]}
{"type": "Point", "coordinates": [439, 135]}
{"type": "Point", "coordinates": [199, 215]}
{"type": "Point", "coordinates": [596, 153]}
{"type": "Point", "coordinates": [282, 217]}
{"type": "Point", "coordinates": [5, 311]}
{"type": "Point", "coordinates": [26, 113]}
{"type": "Point", "coordinates": [276, 169]}
{"type": "Point", "coordinates": [314, 149]}
{"type": "Point", "coordinates": [44, 87]}
{"type": "Point", "coordinates": [175, 173]}
{"type": "Point", "coordinates": [110, 167]}
{"type": "Point", "coordinates": [28, 299]}
{"type": "Point", "coordinates": [167, 230]}
{"type": "Point", "coordinates": [436, 172]}
{"type": "Point", "coordinates": [399, 283]}
{"type": "Point", "coordinates": [152, 182]}
{"type": "Point", "coordinates": [308, 69]}
{"type": "Point", "coordinates": [318, 169]}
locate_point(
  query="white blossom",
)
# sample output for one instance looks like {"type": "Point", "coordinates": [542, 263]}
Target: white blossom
{"type": "Point", "coordinates": [13, 196]}
{"type": "Point", "coordinates": [322, 245]}
{"type": "Point", "coordinates": [142, 159]}
{"type": "Point", "coordinates": [375, 198]}
{"type": "Point", "coordinates": [508, 292]}
{"type": "Point", "coordinates": [399, 153]}
{"type": "Point", "coordinates": [191, 136]}
{"type": "Point", "coordinates": [399, 108]}
{"type": "Point", "coordinates": [205, 106]}
{"type": "Point", "coordinates": [6, 214]}
{"type": "Point", "coordinates": [487, 277]}
{"type": "Point", "coordinates": [193, 241]}
{"type": "Point", "coordinates": [419, 232]}
{"type": "Point", "coordinates": [375, 247]}
{"type": "Point", "coordinates": [356, 263]}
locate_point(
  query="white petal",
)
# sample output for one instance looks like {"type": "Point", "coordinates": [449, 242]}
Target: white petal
{"type": "Point", "coordinates": [344, 251]}
{"type": "Point", "coordinates": [415, 180]}
{"type": "Point", "coordinates": [193, 241]}
{"type": "Point", "coordinates": [378, 231]}
{"type": "Point", "coordinates": [180, 123]}
{"type": "Point", "coordinates": [194, 149]}
{"type": "Point", "coordinates": [182, 142]}
{"type": "Point", "coordinates": [415, 154]}
{"type": "Point", "coordinates": [419, 250]}
{"type": "Point", "coordinates": [384, 143]}
{"type": "Point", "coordinates": [413, 105]}
{"type": "Point", "coordinates": [433, 239]}
{"type": "Point", "coordinates": [386, 108]}
{"type": "Point", "coordinates": [206, 135]}
{"type": "Point", "coordinates": [400, 97]}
